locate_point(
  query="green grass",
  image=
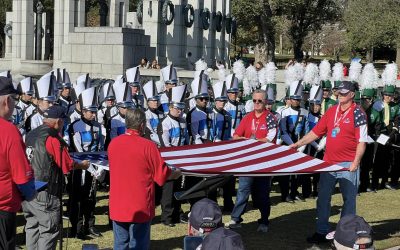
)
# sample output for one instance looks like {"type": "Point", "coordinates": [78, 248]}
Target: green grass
{"type": "Point", "coordinates": [290, 224]}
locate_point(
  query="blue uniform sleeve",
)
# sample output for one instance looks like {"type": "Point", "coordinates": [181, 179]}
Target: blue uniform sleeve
{"type": "Point", "coordinates": [28, 189]}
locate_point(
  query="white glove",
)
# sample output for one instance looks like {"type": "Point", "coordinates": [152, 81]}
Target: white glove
{"type": "Point", "coordinates": [91, 169]}
{"type": "Point", "coordinates": [314, 144]}
{"type": "Point", "coordinates": [100, 174]}
{"type": "Point", "coordinates": [301, 149]}
{"type": "Point", "coordinates": [278, 141]}
{"type": "Point", "coordinates": [321, 144]}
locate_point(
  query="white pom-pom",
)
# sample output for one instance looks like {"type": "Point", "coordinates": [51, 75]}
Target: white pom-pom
{"type": "Point", "coordinates": [355, 71]}
{"type": "Point", "coordinates": [294, 73]}
{"type": "Point", "coordinates": [389, 75]}
{"type": "Point", "coordinates": [201, 65]}
{"type": "Point", "coordinates": [337, 74]}
{"type": "Point", "coordinates": [271, 72]}
{"type": "Point", "coordinates": [325, 70]}
{"type": "Point", "coordinates": [209, 71]}
{"type": "Point", "coordinates": [311, 75]}
{"type": "Point", "coordinates": [252, 77]}
{"type": "Point", "coordinates": [369, 77]}
{"type": "Point", "coordinates": [246, 87]}
{"type": "Point", "coordinates": [239, 69]}
{"type": "Point", "coordinates": [221, 74]}
{"type": "Point", "coordinates": [262, 76]}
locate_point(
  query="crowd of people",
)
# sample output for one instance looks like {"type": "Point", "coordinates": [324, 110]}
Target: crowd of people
{"type": "Point", "coordinates": [323, 114]}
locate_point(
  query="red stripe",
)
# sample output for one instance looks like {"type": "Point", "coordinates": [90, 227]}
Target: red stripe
{"type": "Point", "coordinates": [215, 153]}
{"type": "Point", "coordinates": [171, 149]}
{"type": "Point", "coordinates": [261, 160]}
{"type": "Point", "coordinates": [286, 165]}
{"type": "Point", "coordinates": [318, 168]}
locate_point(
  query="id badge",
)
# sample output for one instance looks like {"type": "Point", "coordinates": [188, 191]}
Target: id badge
{"type": "Point", "coordinates": [335, 132]}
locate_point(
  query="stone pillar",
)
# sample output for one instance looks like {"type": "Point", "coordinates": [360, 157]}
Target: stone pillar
{"type": "Point", "coordinates": [153, 27]}
{"type": "Point", "coordinates": [209, 35]}
{"type": "Point", "coordinates": [194, 38]}
{"type": "Point", "coordinates": [22, 41]}
{"type": "Point", "coordinates": [220, 45]}
{"type": "Point", "coordinates": [8, 40]}
{"type": "Point", "coordinates": [118, 12]}
{"type": "Point", "coordinates": [79, 13]}
{"type": "Point", "coordinates": [63, 25]}
{"type": "Point", "coordinates": [43, 43]}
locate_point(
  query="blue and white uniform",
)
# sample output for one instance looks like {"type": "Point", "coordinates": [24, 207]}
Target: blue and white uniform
{"type": "Point", "coordinates": [199, 124]}
{"type": "Point", "coordinates": [118, 126]}
{"type": "Point", "coordinates": [293, 124]}
{"type": "Point", "coordinates": [221, 125]}
{"type": "Point", "coordinates": [172, 131]}
{"type": "Point", "coordinates": [153, 118]}
{"type": "Point", "coordinates": [164, 101]}
{"type": "Point", "coordinates": [237, 112]}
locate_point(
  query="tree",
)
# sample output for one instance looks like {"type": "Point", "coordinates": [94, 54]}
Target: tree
{"type": "Point", "coordinates": [373, 23]}
{"type": "Point", "coordinates": [308, 16]}
{"type": "Point", "coordinates": [256, 26]}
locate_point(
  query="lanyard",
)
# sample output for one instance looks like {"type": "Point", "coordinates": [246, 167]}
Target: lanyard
{"type": "Point", "coordinates": [254, 128]}
{"type": "Point", "coordinates": [131, 132]}
{"type": "Point", "coordinates": [337, 121]}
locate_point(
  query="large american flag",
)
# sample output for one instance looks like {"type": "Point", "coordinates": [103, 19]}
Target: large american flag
{"type": "Point", "coordinates": [243, 158]}
{"type": "Point", "coordinates": [238, 157]}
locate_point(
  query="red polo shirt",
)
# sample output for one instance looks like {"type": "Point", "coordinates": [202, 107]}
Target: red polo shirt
{"type": "Point", "coordinates": [135, 164]}
{"type": "Point", "coordinates": [353, 129]}
{"type": "Point", "coordinates": [264, 126]}
{"type": "Point", "coordinates": [53, 148]}
{"type": "Point", "coordinates": [14, 167]}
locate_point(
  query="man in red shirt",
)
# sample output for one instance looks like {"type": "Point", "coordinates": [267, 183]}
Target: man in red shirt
{"type": "Point", "coordinates": [16, 175]}
{"type": "Point", "coordinates": [135, 164]}
{"type": "Point", "coordinates": [345, 127]}
{"type": "Point", "coordinates": [261, 125]}
{"type": "Point", "coordinates": [50, 160]}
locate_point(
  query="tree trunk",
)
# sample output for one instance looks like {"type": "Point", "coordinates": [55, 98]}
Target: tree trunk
{"type": "Point", "coordinates": [297, 48]}
{"type": "Point", "coordinates": [267, 33]}
{"type": "Point", "coordinates": [2, 46]}
{"type": "Point", "coordinates": [261, 53]}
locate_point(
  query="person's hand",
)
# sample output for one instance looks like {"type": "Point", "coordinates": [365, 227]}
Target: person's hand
{"type": "Point", "coordinates": [353, 167]}
{"type": "Point", "coordinates": [293, 146]}
{"type": "Point", "coordinates": [85, 164]}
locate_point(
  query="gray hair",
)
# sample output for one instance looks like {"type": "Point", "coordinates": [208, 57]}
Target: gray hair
{"type": "Point", "coordinates": [134, 118]}
{"type": "Point", "coordinates": [261, 91]}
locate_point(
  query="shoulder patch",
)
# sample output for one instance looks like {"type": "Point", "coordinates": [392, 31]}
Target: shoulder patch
{"type": "Point", "coordinates": [271, 121]}
{"type": "Point", "coordinates": [360, 118]}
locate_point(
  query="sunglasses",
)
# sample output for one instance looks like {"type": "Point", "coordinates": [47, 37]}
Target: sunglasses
{"type": "Point", "coordinates": [202, 99]}
{"type": "Point", "coordinates": [257, 101]}
{"type": "Point", "coordinates": [344, 94]}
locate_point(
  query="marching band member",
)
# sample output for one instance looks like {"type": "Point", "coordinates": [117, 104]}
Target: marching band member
{"type": "Point", "coordinates": [153, 114]}
{"type": "Point", "coordinates": [170, 79]}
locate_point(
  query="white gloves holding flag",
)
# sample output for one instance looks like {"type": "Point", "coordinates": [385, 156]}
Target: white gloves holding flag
{"type": "Point", "coordinates": [301, 149]}
{"type": "Point", "coordinates": [321, 144]}
{"type": "Point", "coordinates": [98, 173]}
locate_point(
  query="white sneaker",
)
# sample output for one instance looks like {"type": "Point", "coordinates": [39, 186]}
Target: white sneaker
{"type": "Point", "coordinates": [233, 224]}
{"type": "Point", "coordinates": [262, 228]}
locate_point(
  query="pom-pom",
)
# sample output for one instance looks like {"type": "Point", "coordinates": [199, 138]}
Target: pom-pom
{"type": "Point", "coordinates": [294, 73]}
{"type": "Point", "coordinates": [239, 69]}
{"type": "Point", "coordinates": [325, 70]}
{"type": "Point", "coordinates": [389, 75]}
{"type": "Point", "coordinates": [311, 75]}
{"type": "Point", "coordinates": [369, 77]}
{"type": "Point", "coordinates": [337, 74]}
{"type": "Point", "coordinates": [355, 71]}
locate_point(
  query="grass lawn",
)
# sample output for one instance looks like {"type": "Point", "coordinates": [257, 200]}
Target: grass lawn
{"type": "Point", "coordinates": [290, 224]}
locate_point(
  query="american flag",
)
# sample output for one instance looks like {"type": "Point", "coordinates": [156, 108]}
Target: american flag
{"type": "Point", "coordinates": [239, 157]}
{"type": "Point", "coordinates": [243, 158]}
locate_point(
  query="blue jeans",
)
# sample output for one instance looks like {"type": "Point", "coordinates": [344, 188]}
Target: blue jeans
{"type": "Point", "coordinates": [131, 235]}
{"type": "Point", "coordinates": [348, 183]}
{"type": "Point", "coordinates": [261, 187]}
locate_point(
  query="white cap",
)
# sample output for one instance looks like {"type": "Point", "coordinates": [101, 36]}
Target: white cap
{"type": "Point", "coordinates": [82, 83]}
{"type": "Point", "coordinates": [296, 90]}
{"type": "Point", "coordinates": [169, 75]}
{"type": "Point", "coordinates": [316, 94]}
{"type": "Point", "coordinates": [44, 87]}
{"type": "Point", "coordinates": [118, 77]}
{"type": "Point", "coordinates": [133, 76]}
{"type": "Point", "coordinates": [199, 86]}
{"type": "Point", "coordinates": [88, 99]}
{"type": "Point", "coordinates": [123, 94]}
{"type": "Point", "coordinates": [26, 86]}
{"type": "Point", "coordinates": [176, 96]}
{"type": "Point", "coordinates": [232, 83]}
{"type": "Point", "coordinates": [150, 91]}
{"type": "Point", "coordinates": [219, 89]}
{"type": "Point", "coordinates": [106, 92]}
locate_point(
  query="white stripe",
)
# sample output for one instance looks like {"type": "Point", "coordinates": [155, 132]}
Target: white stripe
{"type": "Point", "coordinates": [238, 160]}
{"type": "Point", "coordinates": [268, 164]}
{"type": "Point", "coordinates": [219, 157]}
{"type": "Point", "coordinates": [300, 166]}
{"type": "Point", "coordinates": [207, 149]}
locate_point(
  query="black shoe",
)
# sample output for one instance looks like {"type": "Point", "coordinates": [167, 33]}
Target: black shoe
{"type": "Point", "coordinates": [317, 238]}
{"type": "Point", "coordinates": [81, 236]}
{"type": "Point", "coordinates": [183, 218]}
{"type": "Point", "coordinates": [227, 209]}
{"type": "Point", "coordinates": [94, 232]}
{"type": "Point", "coordinates": [299, 198]}
{"type": "Point", "coordinates": [314, 194]}
{"type": "Point", "coordinates": [168, 224]}
{"type": "Point", "coordinates": [72, 233]}
{"type": "Point", "coordinates": [288, 199]}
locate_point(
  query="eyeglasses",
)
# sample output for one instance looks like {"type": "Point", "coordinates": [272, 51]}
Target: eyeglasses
{"type": "Point", "coordinates": [257, 101]}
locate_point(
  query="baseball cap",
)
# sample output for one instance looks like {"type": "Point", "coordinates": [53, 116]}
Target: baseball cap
{"type": "Point", "coordinates": [54, 112]}
{"type": "Point", "coordinates": [205, 215]}
{"type": "Point", "coordinates": [221, 239]}
{"type": "Point", "coordinates": [346, 86]}
{"type": "Point", "coordinates": [349, 229]}
{"type": "Point", "coordinates": [7, 87]}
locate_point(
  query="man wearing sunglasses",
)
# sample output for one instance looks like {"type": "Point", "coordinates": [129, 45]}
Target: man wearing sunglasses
{"type": "Point", "coordinates": [261, 125]}
{"type": "Point", "coordinates": [345, 127]}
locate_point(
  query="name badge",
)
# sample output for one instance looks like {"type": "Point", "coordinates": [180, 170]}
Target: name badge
{"type": "Point", "coordinates": [335, 132]}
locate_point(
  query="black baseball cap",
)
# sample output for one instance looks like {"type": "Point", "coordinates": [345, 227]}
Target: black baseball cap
{"type": "Point", "coordinates": [350, 228]}
{"type": "Point", "coordinates": [55, 112]}
{"type": "Point", "coordinates": [221, 239]}
{"type": "Point", "coordinates": [346, 86]}
{"type": "Point", "coordinates": [205, 215]}
{"type": "Point", "coordinates": [7, 87]}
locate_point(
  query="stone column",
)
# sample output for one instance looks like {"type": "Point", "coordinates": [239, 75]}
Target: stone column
{"type": "Point", "coordinates": [63, 25]}
{"type": "Point", "coordinates": [194, 40]}
{"type": "Point", "coordinates": [118, 12]}
{"type": "Point", "coordinates": [8, 40]}
{"type": "Point", "coordinates": [22, 40]}
{"type": "Point", "coordinates": [220, 45]}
